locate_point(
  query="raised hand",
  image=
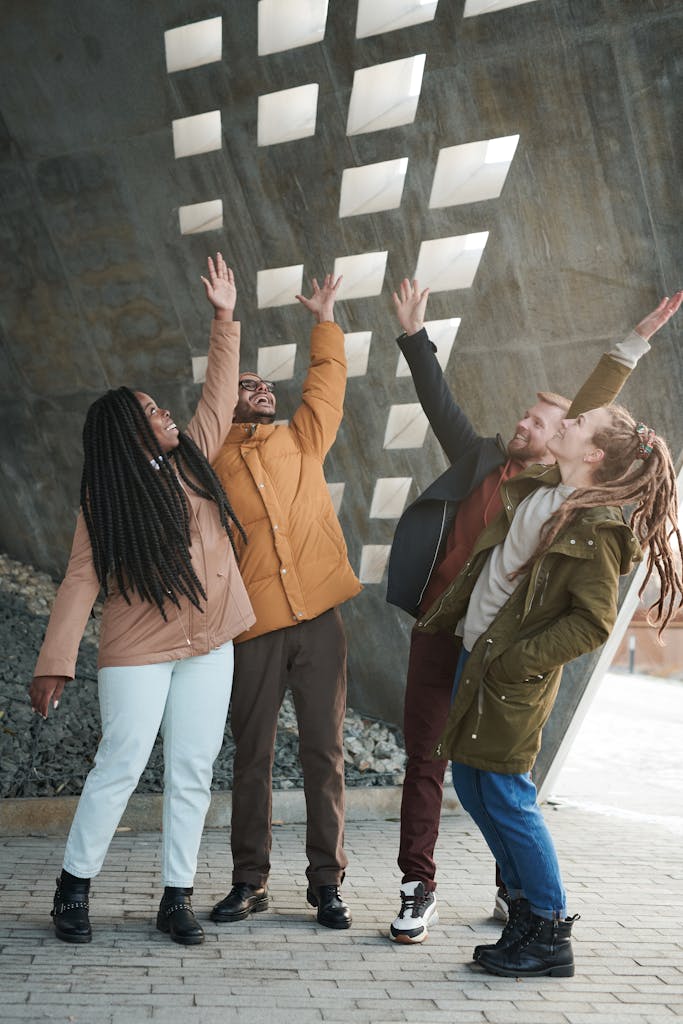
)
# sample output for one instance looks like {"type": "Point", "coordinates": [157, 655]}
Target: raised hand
{"type": "Point", "coordinates": [220, 288]}
{"type": "Point", "coordinates": [411, 304]}
{"type": "Point", "coordinates": [650, 324]}
{"type": "Point", "coordinates": [321, 302]}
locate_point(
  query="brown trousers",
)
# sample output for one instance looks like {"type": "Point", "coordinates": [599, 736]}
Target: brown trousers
{"type": "Point", "coordinates": [310, 660]}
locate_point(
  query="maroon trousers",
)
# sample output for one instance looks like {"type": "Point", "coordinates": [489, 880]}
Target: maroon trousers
{"type": "Point", "coordinates": [310, 660]}
{"type": "Point", "coordinates": [431, 671]}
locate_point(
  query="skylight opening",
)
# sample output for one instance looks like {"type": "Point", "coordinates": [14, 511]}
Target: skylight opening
{"type": "Point", "coordinates": [279, 286]}
{"type": "Point", "coordinates": [450, 263]}
{"type": "Point", "coordinates": [192, 46]}
{"type": "Point", "coordinates": [276, 362]}
{"type": "Point", "coordinates": [385, 95]}
{"type": "Point", "coordinates": [472, 172]}
{"type": "Point", "coordinates": [372, 188]}
{"type": "Point", "coordinates": [198, 134]}
{"type": "Point", "coordinates": [201, 217]}
{"type": "Point", "coordinates": [363, 274]}
{"type": "Point", "coordinates": [375, 16]}
{"type": "Point", "coordinates": [286, 24]}
{"type": "Point", "coordinates": [406, 426]}
{"type": "Point", "coordinates": [390, 496]}
{"type": "Point", "coordinates": [287, 115]}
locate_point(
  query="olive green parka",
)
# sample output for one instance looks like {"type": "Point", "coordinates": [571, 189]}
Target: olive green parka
{"type": "Point", "coordinates": [565, 607]}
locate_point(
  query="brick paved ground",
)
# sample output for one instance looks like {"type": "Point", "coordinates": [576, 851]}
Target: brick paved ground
{"type": "Point", "coordinates": [625, 879]}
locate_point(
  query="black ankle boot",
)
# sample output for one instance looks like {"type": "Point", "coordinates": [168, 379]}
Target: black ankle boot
{"type": "Point", "coordinates": [332, 911]}
{"type": "Point", "coordinates": [517, 923]}
{"type": "Point", "coordinates": [544, 949]}
{"type": "Point", "coordinates": [70, 909]}
{"type": "Point", "coordinates": [176, 917]}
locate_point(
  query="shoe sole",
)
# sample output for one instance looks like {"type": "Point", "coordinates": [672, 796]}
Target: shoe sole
{"type": "Point", "coordinates": [564, 971]}
{"type": "Point", "coordinates": [342, 926]}
{"type": "Point", "coordinates": [79, 939]}
{"type": "Point", "coordinates": [256, 908]}
{"type": "Point", "coordinates": [187, 940]}
{"type": "Point", "coordinates": [405, 938]}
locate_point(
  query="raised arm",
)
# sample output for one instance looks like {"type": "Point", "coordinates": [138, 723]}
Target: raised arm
{"type": "Point", "coordinates": [317, 419]}
{"type": "Point", "coordinates": [214, 412]}
{"type": "Point", "coordinates": [453, 429]}
{"type": "Point", "coordinates": [614, 368]}
{"type": "Point", "coordinates": [659, 316]}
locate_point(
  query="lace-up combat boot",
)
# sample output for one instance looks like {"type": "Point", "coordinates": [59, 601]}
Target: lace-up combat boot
{"type": "Point", "coordinates": [544, 949]}
{"type": "Point", "coordinates": [517, 924]}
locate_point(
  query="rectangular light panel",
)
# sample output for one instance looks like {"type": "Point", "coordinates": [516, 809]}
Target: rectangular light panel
{"type": "Point", "coordinates": [357, 349]}
{"type": "Point", "coordinates": [474, 7]}
{"type": "Point", "coordinates": [375, 16]}
{"type": "Point", "coordinates": [406, 426]}
{"type": "Point", "coordinates": [363, 274]}
{"type": "Point", "coordinates": [373, 562]}
{"type": "Point", "coordinates": [385, 95]}
{"type": "Point", "coordinates": [285, 24]}
{"type": "Point", "coordinates": [390, 496]}
{"type": "Point", "coordinates": [199, 364]}
{"type": "Point", "coordinates": [373, 187]}
{"type": "Point", "coordinates": [446, 263]}
{"type": "Point", "coordinates": [191, 46]}
{"type": "Point", "coordinates": [198, 134]}
{"type": "Point", "coordinates": [336, 494]}
{"type": "Point", "coordinates": [279, 286]}
{"type": "Point", "coordinates": [472, 172]}
{"type": "Point", "coordinates": [287, 115]}
{"type": "Point", "coordinates": [276, 362]}
{"type": "Point", "coordinates": [201, 217]}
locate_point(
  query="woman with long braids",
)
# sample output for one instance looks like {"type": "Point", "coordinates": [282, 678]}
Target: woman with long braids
{"type": "Point", "coordinates": [155, 534]}
{"type": "Point", "coordinates": [540, 589]}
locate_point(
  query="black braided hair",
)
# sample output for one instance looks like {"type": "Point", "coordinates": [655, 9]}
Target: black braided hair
{"type": "Point", "coordinates": [135, 507]}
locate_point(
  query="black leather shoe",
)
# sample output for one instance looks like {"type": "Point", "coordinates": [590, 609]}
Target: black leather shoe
{"type": "Point", "coordinates": [241, 901]}
{"type": "Point", "coordinates": [176, 917]}
{"type": "Point", "coordinates": [70, 909]}
{"type": "Point", "coordinates": [332, 911]}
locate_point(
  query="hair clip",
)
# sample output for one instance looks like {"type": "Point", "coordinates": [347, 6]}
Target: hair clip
{"type": "Point", "coordinates": [647, 436]}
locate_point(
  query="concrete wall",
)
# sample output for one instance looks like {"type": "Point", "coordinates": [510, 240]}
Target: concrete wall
{"type": "Point", "coordinates": [99, 288]}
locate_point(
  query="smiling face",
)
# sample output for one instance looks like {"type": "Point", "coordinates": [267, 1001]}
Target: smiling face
{"type": "Point", "coordinates": [161, 422]}
{"type": "Point", "coordinates": [530, 441]}
{"type": "Point", "coordinates": [255, 401]}
{"type": "Point", "coordinates": [574, 447]}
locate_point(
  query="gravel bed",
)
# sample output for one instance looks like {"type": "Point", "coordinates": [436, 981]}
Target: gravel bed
{"type": "Point", "coordinates": [52, 758]}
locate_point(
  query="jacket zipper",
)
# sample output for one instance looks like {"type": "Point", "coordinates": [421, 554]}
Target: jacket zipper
{"type": "Point", "coordinates": [436, 554]}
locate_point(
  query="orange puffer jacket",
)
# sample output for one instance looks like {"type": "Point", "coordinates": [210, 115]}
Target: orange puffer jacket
{"type": "Point", "coordinates": [295, 564]}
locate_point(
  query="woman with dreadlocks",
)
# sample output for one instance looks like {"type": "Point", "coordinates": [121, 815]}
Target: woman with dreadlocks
{"type": "Point", "coordinates": [155, 534]}
{"type": "Point", "coordinates": [540, 589]}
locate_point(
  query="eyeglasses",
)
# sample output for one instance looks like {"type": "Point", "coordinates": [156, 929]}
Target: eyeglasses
{"type": "Point", "coordinates": [249, 384]}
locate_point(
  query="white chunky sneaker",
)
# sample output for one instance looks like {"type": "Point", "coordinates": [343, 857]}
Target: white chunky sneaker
{"type": "Point", "coordinates": [502, 905]}
{"type": "Point", "coordinates": [418, 910]}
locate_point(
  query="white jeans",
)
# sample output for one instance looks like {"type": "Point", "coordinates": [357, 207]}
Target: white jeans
{"type": "Point", "coordinates": [188, 701]}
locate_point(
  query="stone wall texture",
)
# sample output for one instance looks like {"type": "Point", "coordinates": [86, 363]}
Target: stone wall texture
{"type": "Point", "coordinates": [99, 288]}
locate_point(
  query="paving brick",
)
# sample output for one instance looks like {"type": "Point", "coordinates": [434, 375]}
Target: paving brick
{"type": "Point", "coordinates": [282, 966]}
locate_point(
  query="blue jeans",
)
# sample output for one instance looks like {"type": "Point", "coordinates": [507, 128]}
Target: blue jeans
{"type": "Point", "coordinates": [506, 811]}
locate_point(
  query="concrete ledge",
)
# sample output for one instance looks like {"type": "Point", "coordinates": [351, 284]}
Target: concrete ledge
{"type": "Point", "coordinates": [52, 816]}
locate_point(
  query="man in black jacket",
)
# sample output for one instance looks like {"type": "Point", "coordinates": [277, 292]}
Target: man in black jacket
{"type": "Point", "coordinates": [431, 545]}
